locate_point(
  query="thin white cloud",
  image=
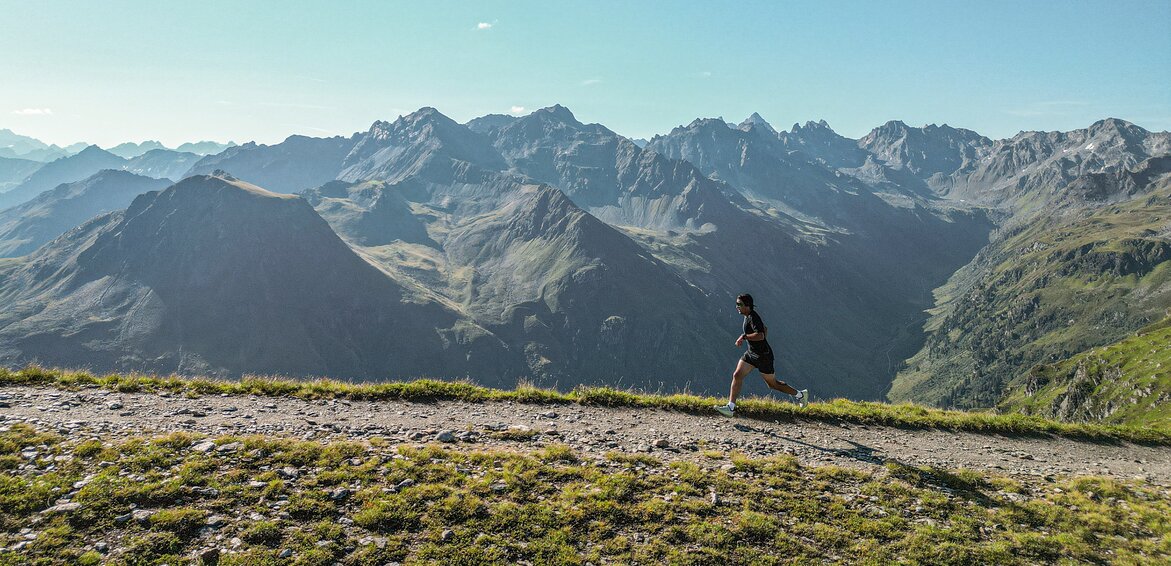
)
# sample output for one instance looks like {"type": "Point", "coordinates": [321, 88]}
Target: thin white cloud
{"type": "Point", "coordinates": [518, 109]}
{"type": "Point", "coordinates": [703, 75]}
{"type": "Point", "coordinates": [483, 25]}
{"type": "Point", "coordinates": [33, 112]}
{"type": "Point", "coordinates": [590, 82]}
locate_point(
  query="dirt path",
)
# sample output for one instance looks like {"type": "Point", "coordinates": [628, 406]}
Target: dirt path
{"type": "Point", "coordinates": [591, 431]}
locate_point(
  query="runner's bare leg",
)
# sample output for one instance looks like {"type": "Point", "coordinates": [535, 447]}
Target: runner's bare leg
{"type": "Point", "coordinates": [771, 380]}
{"type": "Point", "coordinates": [742, 369]}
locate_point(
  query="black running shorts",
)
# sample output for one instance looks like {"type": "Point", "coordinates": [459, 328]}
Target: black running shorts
{"type": "Point", "coordinates": [764, 363]}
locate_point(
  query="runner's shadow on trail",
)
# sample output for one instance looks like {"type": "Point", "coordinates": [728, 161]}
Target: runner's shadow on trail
{"type": "Point", "coordinates": [860, 452]}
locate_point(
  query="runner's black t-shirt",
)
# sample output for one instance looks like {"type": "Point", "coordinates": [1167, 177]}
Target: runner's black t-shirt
{"type": "Point", "coordinates": [752, 325]}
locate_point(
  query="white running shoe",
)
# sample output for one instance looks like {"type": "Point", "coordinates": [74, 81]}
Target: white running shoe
{"type": "Point", "coordinates": [725, 410]}
{"type": "Point", "coordinates": [803, 397]}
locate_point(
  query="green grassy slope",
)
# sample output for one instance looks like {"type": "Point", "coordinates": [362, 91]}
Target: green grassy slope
{"type": "Point", "coordinates": [1040, 293]}
{"type": "Point", "coordinates": [263, 500]}
{"type": "Point", "coordinates": [1128, 382]}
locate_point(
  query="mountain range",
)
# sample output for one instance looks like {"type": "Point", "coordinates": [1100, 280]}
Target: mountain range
{"type": "Point", "coordinates": [13, 145]}
{"type": "Point", "coordinates": [930, 264]}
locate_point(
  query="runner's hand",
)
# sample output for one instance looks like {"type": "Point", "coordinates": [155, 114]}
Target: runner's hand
{"type": "Point", "coordinates": [740, 341]}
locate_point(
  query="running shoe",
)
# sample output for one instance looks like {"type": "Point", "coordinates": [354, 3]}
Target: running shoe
{"type": "Point", "coordinates": [803, 397]}
{"type": "Point", "coordinates": [725, 410]}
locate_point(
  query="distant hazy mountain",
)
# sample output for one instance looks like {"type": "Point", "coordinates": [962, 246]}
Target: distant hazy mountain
{"type": "Point", "coordinates": [296, 164]}
{"type": "Point", "coordinates": [65, 170]}
{"type": "Point", "coordinates": [130, 150]}
{"type": "Point", "coordinates": [413, 143]}
{"type": "Point", "coordinates": [926, 152]}
{"type": "Point", "coordinates": [52, 153]}
{"type": "Point", "coordinates": [903, 240]}
{"type": "Point", "coordinates": [485, 124]}
{"type": "Point", "coordinates": [13, 171]}
{"type": "Point", "coordinates": [820, 142]}
{"type": "Point", "coordinates": [13, 145]}
{"type": "Point", "coordinates": [162, 164]}
{"type": "Point", "coordinates": [753, 159]}
{"type": "Point", "coordinates": [1019, 174]}
{"type": "Point", "coordinates": [204, 147]}
{"type": "Point", "coordinates": [612, 178]}
{"type": "Point", "coordinates": [756, 121]}
{"type": "Point", "coordinates": [25, 227]}
{"type": "Point", "coordinates": [216, 276]}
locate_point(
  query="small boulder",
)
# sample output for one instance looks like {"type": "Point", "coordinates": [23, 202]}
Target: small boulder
{"type": "Point", "coordinates": [204, 447]}
{"type": "Point", "coordinates": [62, 508]}
{"type": "Point", "coordinates": [229, 447]}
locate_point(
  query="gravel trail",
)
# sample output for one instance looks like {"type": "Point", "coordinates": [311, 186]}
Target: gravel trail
{"type": "Point", "coordinates": [591, 431]}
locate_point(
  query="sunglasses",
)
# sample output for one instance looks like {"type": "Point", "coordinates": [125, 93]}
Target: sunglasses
{"type": "Point", "coordinates": [740, 304]}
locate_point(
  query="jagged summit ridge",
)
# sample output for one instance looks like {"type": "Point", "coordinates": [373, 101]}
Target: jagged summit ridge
{"type": "Point", "coordinates": [756, 121]}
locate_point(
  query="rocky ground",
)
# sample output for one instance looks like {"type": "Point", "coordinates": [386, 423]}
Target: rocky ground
{"type": "Point", "coordinates": [590, 431]}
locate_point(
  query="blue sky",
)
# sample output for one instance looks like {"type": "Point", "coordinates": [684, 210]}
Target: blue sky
{"type": "Point", "coordinates": [107, 72]}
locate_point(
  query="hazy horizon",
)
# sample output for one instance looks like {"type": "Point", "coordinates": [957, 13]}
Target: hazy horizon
{"type": "Point", "coordinates": [134, 71]}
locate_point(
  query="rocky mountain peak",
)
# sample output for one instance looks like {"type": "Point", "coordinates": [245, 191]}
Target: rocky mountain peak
{"type": "Point", "coordinates": [708, 123]}
{"type": "Point", "coordinates": [92, 151]}
{"type": "Point", "coordinates": [1114, 128]}
{"type": "Point", "coordinates": [811, 126]}
{"type": "Point", "coordinates": [548, 212]}
{"type": "Point", "coordinates": [416, 122]}
{"type": "Point", "coordinates": [892, 129]}
{"type": "Point", "coordinates": [559, 113]}
{"type": "Point", "coordinates": [392, 150]}
{"type": "Point", "coordinates": [490, 122]}
{"type": "Point", "coordinates": [130, 150]}
{"type": "Point", "coordinates": [756, 121]}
